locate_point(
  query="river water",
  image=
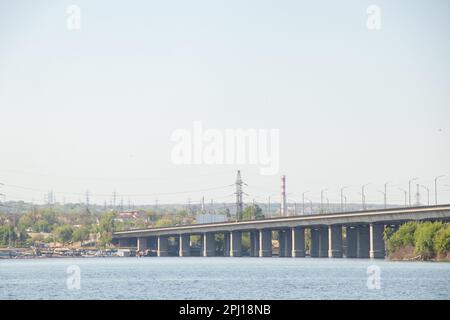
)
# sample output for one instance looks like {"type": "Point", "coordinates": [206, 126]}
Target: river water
{"type": "Point", "coordinates": [222, 278]}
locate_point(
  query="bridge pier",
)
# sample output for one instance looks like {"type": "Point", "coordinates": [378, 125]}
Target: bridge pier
{"type": "Point", "coordinates": [254, 243]}
{"type": "Point", "coordinates": [209, 245]}
{"type": "Point", "coordinates": [236, 243]}
{"type": "Point", "coordinates": [185, 245]}
{"type": "Point", "coordinates": [377, 250]}
{"type": "Point", "coordinates": [265, 243]}
{"type": "Point", "coordinates": [351, 239]}
{"type": "Point", "coordinates": [363, 241]}
{"type": "Point", "coordinates": [281, 243]}
{"type": "Point", "coordinates": [323, 242]}
{"type": "Point", "coordinates": [226, 244]}
{"type": "Point", "coordinates": [142, 244]}
{"type": "Point", "coordinates": [298, 242]}
{"type": "Point", "coordinates": [335, 241]}
{"type": "Point", "coordinates": [163, 245]}
{"type": "Point", "coordinates": [314, 246]}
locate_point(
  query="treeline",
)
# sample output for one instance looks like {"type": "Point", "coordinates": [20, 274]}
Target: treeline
{"type": "Point", "coordinates": [419, 241]}
{"type": "Point", "coordinates": [49, 225]}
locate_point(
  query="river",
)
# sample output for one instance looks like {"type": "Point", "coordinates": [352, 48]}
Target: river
{"type": "Point", "coordinates": [221, 278]}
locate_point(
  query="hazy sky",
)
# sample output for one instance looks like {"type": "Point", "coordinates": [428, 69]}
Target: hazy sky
{"type": "Point", "coordinates": [95, 108]}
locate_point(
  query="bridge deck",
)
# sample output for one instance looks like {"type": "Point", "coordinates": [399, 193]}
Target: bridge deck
{"type": "Point", "coordinates": [391, 215]}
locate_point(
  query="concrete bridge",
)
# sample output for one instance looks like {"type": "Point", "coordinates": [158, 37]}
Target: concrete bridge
{"type": "Point", "coordinates": [357, 234]}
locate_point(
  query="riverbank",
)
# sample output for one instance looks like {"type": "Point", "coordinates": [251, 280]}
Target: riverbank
{"type": "Point", "coordinates": [418, 241]}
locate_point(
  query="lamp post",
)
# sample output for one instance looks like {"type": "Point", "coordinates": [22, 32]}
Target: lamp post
{"type": "Point", "coordinates": [404, 191]}
{"type": "Point", "coordinates": [363, 196]}
{"type": "Point", "coordinates": [428, 194]}
{"type": "Point", "coordinates": [409, 189]}
{"type": "Point", "coordinates": [321, 199]}
{"type": "Point", "coordinates": [385, 194]}
{"type": "Point", "coordinates": [303, 201]}
{"type": "Point", "coordinates": [435, 188]}
{"type": "Point", "coordinates": [342, 198]}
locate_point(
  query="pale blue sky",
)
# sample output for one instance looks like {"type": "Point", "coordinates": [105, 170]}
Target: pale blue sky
{"type": "Point", "coordinates": [95, 108]}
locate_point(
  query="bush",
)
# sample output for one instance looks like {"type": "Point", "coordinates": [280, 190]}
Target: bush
{"type": "Point", "coordinates": [425, 238]}
{"type": "Point", "coordinates": [442, 240]}
{"type": "Point", "coordinates": [403, 237]}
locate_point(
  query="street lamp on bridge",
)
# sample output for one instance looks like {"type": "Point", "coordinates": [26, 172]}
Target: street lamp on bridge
{"type": "Point", "coordinates": [363, 195]}
{"type": "Point", "coordinates": [435, 188]}
{"type": "Point", "coordinates": [409, 189]}
{"type": "Point", "coordinates": [342, 198]}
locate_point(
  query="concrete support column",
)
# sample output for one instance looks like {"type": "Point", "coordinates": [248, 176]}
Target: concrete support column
{"type": "Point", "coordinates": [335, 241]}
{"type": "Point", "coordinates": [288, 244]}
{"type": "Point", "coordinates": [265, 243]}
{"type": "Point", "coordinates": [352, 242]}
{"type": "Point", "coordinates": [377, 249]}
{"type": "Point", "coordinates": [281, 243]}
{"type": "Point", "coordinates": [314, 247]}
{"type": "Point", "coordinates": [209, 245]}
{"type": "Point", "coordinates": [163, 245]}
{"type": "Point", "coordinates": [363, 243]}
{"type": "Point", "coordinates": [235, 243]}
{"type": "Point", "coordinates": [254, 243]}
{"type": "Point", "coordinates": [298, 242]}
{"type": "Point", "coordinates": [185, 245]}
{"type": "Point", "coordinates": [323, 242]}
{"type": "Point", "coordinates": [226, 244]}
{"type": "Point", "coordinates": [142, 244]}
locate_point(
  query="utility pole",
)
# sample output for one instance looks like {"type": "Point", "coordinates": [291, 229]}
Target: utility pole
{"type": "Point", "coordinates": [114, 200]}
{"type": "Point", "coordinates": [435, 188]}
{"type": "Point", "coordinates": [321, 199]}
{"type": "Point", "coordinates": [404, 191]}
{"type": "Point", "coordinates": [342, 198]}
{"type": "Point", "coordinates": [363, 196]}
{"type": "Point", "coordinates": [295, 208]}
{"type": "Point", "coordinates": [417, 195]}
{"type": "Point", "coordinates": [268, 209]}
{"type": "Point", "coordinates": [202, 209]}
{"type": "Point", "coordinates": [428, 194]}
{"type": "Point", "coordinates": [87, 200]}
{"type": "Point", "coordinates": [385, 194]}
{"type": "Point", "coordinates": [239, 192]}
{"type": "Point", "coordinates": [303, 202]}
{"type": "Point", "coordinates": [409, 189]}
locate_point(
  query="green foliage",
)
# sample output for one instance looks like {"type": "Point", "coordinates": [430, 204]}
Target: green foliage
{"type": "Point", "coordinates": [165, 222]}
{"type": "Point", "coordinates": [404, 236]}
{"type": "Point", "coordinates": [427, 238]}
{"type": "Point", "coordinates": [442, 240]}
{"type": "Point", "coordinates": [424, 235]}
{"type": "Point", "coordinates": [107, 223]}
{"type": "Point", "coordinates": [63, 233]}
{"type": "Point", "coordinates": [252, 212]}
{"type": "Point", "coordinates": [81, 234]}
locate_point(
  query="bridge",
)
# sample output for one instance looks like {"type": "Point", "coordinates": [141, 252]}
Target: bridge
{"type": "Point", "coordinates": [357, 234]}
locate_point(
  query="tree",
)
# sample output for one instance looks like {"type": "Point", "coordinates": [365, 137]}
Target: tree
{"type": "Point", "coordinates": [107, 223]}
{"type": "Point", "coordinates": [81, 234]}
{"type": "Point", "coordinates": [63, 233]}
{"type": "Point", "coordinates": [404, 236]}
{"type": "Point", "coordinates": [424, 235]}
{"type": "Point", "coordinates": [442, 240]}
{"type": "Point", "coordinates": [252, 212]}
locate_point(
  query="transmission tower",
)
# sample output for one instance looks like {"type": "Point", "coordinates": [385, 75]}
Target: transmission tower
{"type": "Point", "coordinates": [239, 192]}
{"type": "Point", "coordinates": [283, 196]}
